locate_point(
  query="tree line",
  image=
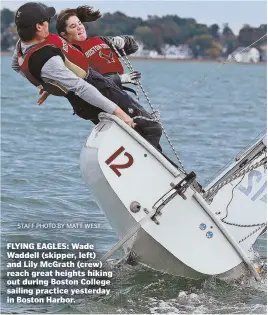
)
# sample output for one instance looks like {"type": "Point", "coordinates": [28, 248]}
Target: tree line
{"type": "Point", "coordinates": [209, 41]}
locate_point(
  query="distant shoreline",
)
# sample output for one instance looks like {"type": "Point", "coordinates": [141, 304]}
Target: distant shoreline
{"type": "Point", "coordinates": [196, 60]}
{"type": "Point", "coordinates": [9, 53]}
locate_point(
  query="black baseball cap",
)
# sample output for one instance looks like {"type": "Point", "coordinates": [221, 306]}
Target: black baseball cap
{"type": "Point", "coordinates": [32, 13]}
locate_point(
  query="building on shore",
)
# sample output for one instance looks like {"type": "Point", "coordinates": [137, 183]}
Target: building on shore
{"type": "Point", "coordinates": [245, 54]}
{"type": "Point", "coordinates": [145, 53]}
{"type": "Point", "coordinates": [177, 52]}
{"type": "Point", "coordinates": [167, 52]}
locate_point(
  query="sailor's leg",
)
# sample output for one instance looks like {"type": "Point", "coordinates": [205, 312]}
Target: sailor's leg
{"type": "Point", "coordinates": [84, 109]}
{"type": "Point", "coordinates": [149, 129]}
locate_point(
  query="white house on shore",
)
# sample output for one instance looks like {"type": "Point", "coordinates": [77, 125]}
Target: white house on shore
{"type": "Point", "coordinates": [177, 52]}
{"type": "Point", "coordinates": [167, 52]}
{"type": "Point", "coordinates": [245, 54]}
{"type": "Point", "coordinates": [144, 53]}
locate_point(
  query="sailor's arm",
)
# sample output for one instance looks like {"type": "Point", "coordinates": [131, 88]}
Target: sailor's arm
{"type": "Point", "coordinates": [127, 43]}
{"type": "Point", "coordinates": [15, 64]}
{"type": "Point", "coordinates": [54, 69]}
{"type": "Point", "coordinates": [131, 46]}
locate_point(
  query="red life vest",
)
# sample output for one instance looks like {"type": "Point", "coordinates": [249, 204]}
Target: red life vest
{"type": "Point", "coordinates": [73, 59]}
{"type": "Point", "coordinates": [100, 56]}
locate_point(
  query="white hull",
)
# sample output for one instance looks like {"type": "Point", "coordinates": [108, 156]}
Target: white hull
{"type": "Point", "coordinates": [139, 173]}
{"type": "Point", "coordinates": [147, 249]}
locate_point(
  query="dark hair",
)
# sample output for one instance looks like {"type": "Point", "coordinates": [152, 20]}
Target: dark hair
{"type": "Point", "coordinates": [28, 33]}
{"type": "Point", "coordinates": [84, 13]}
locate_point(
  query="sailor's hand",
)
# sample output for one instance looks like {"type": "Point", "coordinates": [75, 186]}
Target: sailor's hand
{"type": "Point", "coordinates": [122, 115]}
{"type": "Point", "coordinates": [118, 42]}
{"type": "Point", "coordinates": [130, 77]}
{"type": "Point", "coordinates": [42, 96]}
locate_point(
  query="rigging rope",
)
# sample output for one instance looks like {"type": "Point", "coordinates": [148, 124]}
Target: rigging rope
{"type": "Point", "coordinates": [155, 112]}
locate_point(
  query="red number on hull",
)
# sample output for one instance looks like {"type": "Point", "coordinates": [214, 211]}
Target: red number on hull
{"type": "Point", "coordinates": [116, 167]}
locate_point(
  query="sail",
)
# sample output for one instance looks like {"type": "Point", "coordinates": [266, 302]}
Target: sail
{"type": "Point", "coordinates": [241, 204]}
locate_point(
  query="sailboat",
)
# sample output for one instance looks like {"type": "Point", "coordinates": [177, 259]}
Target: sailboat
{"type": "Point", "coordinates": [161, 214]}
{"type": "Point", "coordinates": [163, 217]}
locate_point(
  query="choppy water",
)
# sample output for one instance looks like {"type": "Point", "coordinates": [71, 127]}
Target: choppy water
{"type": "Point", "coordinates": [41, 180]}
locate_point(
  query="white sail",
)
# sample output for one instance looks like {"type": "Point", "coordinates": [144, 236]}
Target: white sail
{"type": "Point", "coordinates": [242, 204]}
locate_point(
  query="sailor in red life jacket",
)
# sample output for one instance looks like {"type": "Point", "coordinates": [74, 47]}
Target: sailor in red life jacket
{"type": "Point", "coordinates": [98, 50]}
{"type": "Point", "coordinates": [53, 65]}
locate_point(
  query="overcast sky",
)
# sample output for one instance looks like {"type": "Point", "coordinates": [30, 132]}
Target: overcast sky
{"type": "Point", "coordinates": [236, 13]}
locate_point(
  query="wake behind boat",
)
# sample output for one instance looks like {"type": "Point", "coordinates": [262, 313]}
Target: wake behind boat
{"type": "Point", "coordinates": [161, 215]}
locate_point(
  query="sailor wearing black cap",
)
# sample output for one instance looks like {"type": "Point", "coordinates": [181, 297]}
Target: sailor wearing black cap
{"type": "Point", "coordinates": [53, 65]}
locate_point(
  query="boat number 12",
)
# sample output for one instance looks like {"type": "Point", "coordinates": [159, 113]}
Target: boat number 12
{"type": "Point", "coordinates": [116, 167]}
{"type": "Point", "coordinates": [254, 176]}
